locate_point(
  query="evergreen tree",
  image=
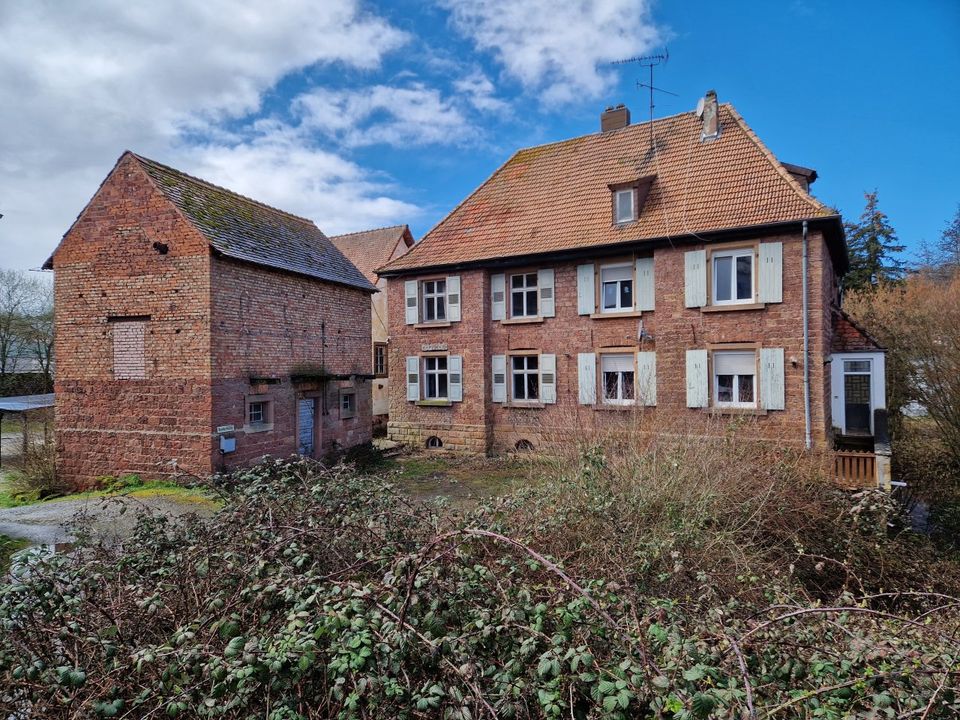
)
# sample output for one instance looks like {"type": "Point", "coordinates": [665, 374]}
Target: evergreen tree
{"type": "Point", "coordinates": [949, 245]}
{"type": "Point", "coordinates": [873, 245]}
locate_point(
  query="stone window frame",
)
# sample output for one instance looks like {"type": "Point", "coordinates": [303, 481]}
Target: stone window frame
{"type": "Point", "coordinates": [268, 411]}
{"type": "Point", "coordinates": [524, 273]}
{"type": "Point", "coordinates": [435, 296]}
{"type": "Point", "coordinates": [424, 373]}
{"type": "Point", "coordinates": [523, 402]}
{"type": "Point", "coordinates": [347, 403]}
{"type": "Point", "coordinates": [722, 249]}
{"type": "Point", "coordinates": [712, 351]}
{"type": "Point", "coordinates": [628, 262]}
{"type": "Point", "coordinates": [602, 394]}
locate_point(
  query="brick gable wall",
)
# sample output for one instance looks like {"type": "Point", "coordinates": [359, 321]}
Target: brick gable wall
{"type": "Point", "coordinates": [106, 268]}
{"type": "Point", "coordinates": [478, 424]}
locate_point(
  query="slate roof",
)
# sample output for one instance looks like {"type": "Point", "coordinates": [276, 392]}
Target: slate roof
{"type": "Point", "coordinates": [245, 229]}
{"type": "Point", "coordinates": [370, 249]}
{"type": "Point", "coordinates": [556, 197]}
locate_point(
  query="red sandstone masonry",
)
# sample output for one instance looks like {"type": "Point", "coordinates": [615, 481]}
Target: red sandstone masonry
{"type": "Point", "coordinates": [479, 424]}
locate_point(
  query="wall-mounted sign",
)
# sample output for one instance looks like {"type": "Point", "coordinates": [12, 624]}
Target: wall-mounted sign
{"type": "Point", "coordinates": [221, 429]}
{"type": "Point", "coordinates": [433, 347]}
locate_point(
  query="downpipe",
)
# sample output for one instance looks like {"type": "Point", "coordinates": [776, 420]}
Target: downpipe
{"type": "Point", "coordinates": [806, 343]}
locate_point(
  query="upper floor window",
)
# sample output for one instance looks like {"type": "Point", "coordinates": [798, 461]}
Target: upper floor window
{"type": "Point", "coordinates": [435, 378]}
{"type": "Point", "coordinates": [624, 205]}
{"type": "Point", "coordinates": [733, 277]}
{"type": "Point", "coordinates": [734, 379]}
{"type": "Point", "coordinates": [618, 379]}
{"type": "Point", "coordinates": [526, 377]}
{"type": "Point", "coordinates": [434, 300]}
{"type": "Point", "coordinates": [523, 295]}
{"type": "Point", "coordinates": [616, 288]}
{"type": "Point", "coordinates": [380, 360]}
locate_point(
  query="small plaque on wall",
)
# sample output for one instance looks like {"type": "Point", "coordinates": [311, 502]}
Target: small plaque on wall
{"type": "Point", "coordinates": [433, 347]}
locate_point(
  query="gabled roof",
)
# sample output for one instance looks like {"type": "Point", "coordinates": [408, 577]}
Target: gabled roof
{"type": "Point", "coordinates": [370, 249]}
{"type": "Point", "coordinates": [851, 336]}
{"type": "Point", "coordinates": [556, 197]}
{"type": "Point", "coordinates": [244, 229]}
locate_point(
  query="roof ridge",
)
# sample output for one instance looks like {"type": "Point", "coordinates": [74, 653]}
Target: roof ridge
{"type": "Point", "coordinates": [369, 230]}
{"type": "Point", "coordinates": [772, 159]}
{"type": "Point", "coordinates": [196, 179]}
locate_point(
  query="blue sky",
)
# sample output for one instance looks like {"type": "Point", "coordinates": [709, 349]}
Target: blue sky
{"type": "Point", "coordinates": [361, 114]}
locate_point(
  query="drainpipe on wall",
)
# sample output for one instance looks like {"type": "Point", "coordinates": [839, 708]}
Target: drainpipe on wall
{"type": "Point", "coordinates": [806, 345]}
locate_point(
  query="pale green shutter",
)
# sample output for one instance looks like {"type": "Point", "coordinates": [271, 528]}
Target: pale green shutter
{"type": "Point", "coordinates": [411, 302]}
{"type": "Point", "coordinates": [772, 379]}
{"type": "Point", "coordinates": [413, 378]}
{"type": "Point", "coordinates": [770, 272]}
{"type": "Point", "coordinates": [647, 378]}
{"type": "Point", "coordinates": [455, 378]}
{"type": "Point", "coordinates": [453, 298]}
{"type": "Point", "coordinates": [499, 368]}
{"type": "Point", "coordinates": [586, 302]}
{"type": "Point", "coordinates": [695, 278]}
{"type": "Point", "coordinates": [587, 377]}
{"type": "Point", "coordinates": [645, 292]}
{"type": "Point", "coordinates": [545, 286]}
{"type": "Point", "coordinates": [697, 383]}
{"type": "Point", "coordinates": [548, 379]}
{"type": "Point", "coordinates": [498, 292]}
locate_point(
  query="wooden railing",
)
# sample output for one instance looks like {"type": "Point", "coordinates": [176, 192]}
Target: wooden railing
{"type": "Point", "coordinates": [855, 468]}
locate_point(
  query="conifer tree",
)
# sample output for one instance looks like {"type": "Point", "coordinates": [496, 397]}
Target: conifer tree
{"type": "Point", "coordinates": [873, 246]}
{"type": "Point", "coordinates": [949, 245]}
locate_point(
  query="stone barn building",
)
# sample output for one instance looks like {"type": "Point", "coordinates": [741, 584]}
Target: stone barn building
{"type": "Point", "coordinates": [199, 330]}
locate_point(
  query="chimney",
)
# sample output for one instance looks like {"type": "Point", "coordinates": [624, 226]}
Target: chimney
{"type": "Point", "coordinates": [614, 118]}
{"type": "Point", "coordinates": [708, 112]}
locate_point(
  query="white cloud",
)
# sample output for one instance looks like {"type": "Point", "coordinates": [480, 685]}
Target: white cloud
{"type": "Point", "coordinates": [481, 93]}
{"type": "Point", "coordinates": [415, 114]}
{"type": "Point", "coordinates": [80, 82]}
{"type": "Point", "coordinates": [557, 48]}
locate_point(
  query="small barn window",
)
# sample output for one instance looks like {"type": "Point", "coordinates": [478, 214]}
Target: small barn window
{"type": "Point", "coordinates": [434, 443]}
{"type": "Point", "coordinates": [129, 360]}
{"type": "Point", "coordinates": [348, 404]}
{"type": "Point", "coordinates": [524, 445]}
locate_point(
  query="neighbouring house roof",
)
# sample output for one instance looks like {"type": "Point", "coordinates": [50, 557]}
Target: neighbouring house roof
{"type": "Point", "coordinates": [25, 403]}
{"type": "Point", "coordinates": [244, 229]}
{"type": "Point", "coordinates": [557, 197]}
{"type": "Point", "coordinates": [850, 336]}
{"type": "Point", "coordinates": [371, 249]}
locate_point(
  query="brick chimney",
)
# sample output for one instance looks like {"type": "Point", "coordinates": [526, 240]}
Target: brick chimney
{"type": "Point", "coordinates": [614, 118]}
{"type": "Point", "coordinates": [709, 113]}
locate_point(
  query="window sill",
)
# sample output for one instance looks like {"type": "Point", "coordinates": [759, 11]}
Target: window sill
{"type": "Point", "coordinates": [733, 306]}
{"type": "Point", "coordinates": [522, 320]}
{"type": "Point", "coordinates": [347, 417]}
{"type": "Point", "coordinates": [433, 403]}
{"type": "Point", "coordinates": [735, 411]}
{"type": "Point", "coordinates": [421, 326]}
{"type": "Point", "coordinates": [609, 315]}
{"type": "Point", "coordinates": [520, 405]}
{"type": "Point", "coordinates": [250, 429]}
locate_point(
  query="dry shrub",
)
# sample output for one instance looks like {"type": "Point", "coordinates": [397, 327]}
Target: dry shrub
{"type": "Point", "coordinates": [36, 477]}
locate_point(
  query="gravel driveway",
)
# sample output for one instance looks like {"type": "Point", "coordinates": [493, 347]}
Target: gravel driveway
{"type": "Point", "coordinates": [45, 523]}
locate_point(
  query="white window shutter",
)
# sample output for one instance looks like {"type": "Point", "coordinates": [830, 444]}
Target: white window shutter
{"type": "Point", "coordinates": [545, 285]}
{"type": "Point", "coordinates": [587, 377]}
{"type": "Point", "coordinates": [697, 386]}
{"type": "Point", "coordinates": [772, 379]}
{"type": "Point", "coordinates": [647, 378]}
{"type": "Point", "coordinates": [695, 278]}
{"type": "Point", "coordinates": [412, 302]}
{"type": "Point", "coordinates": [771, 272]}
{"type": "Point", "coordinates": [455, 378]}
{"type": "Point", "coordinates": [644, 293]}
{"type": "Point", "coordinates": [413, 378]}
{"type": "Point", "coordinates": [548, 379]}
{"type": "Point", "coordinates": [453, 298]}
{"type": "Point", "coordinates": [498, 297]}
{"type": "Point", "coordinates": [586, 299]}
{"type": "Point", "coordinates": [499, 368]}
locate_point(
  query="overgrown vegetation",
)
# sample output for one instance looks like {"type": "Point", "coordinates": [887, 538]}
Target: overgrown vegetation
{"type": "Point", "coordinates": [668, 580]}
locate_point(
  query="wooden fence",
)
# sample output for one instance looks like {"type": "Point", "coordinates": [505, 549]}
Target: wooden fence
{"type": "Point", "coordinates": [855, 468]}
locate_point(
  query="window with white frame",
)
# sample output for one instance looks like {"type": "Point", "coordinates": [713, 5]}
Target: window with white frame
{"type": "Point", "coordinates": [348, 404]}
{"type": "Point", "coordinates": [735, 378]}
{"type": "Point", "coordinates": [618, 379]}
{"type": "Point", "coordinates": [623, 201]}
{"type": "Point", "coordinates": [523, 295]}
{"type": "Point", "coordinates": [259, 413]}
{"type": "Point", "coordinates": [525, 370]}
{"type": "Point", "coordinates": [436, 378]}
{"type": "Point", "coordinates": [434, 295]}
{"type": "Point", "coordinates": [616, 288]}
{"type": "Point", "coordinates": [733, 277]}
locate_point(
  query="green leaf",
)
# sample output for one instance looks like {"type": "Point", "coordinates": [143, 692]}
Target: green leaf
{"type": "Point", "coordinates": [702, 705]}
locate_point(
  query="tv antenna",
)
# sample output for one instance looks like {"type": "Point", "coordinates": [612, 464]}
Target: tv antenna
{"type": "Point", "coordinates": [649, 61]}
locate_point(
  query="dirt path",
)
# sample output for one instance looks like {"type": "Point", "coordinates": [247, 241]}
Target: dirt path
{"type": "Point", "coordinates": [46, 523]}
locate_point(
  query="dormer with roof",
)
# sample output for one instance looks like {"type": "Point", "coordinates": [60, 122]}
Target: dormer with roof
{"type": "Point", "coordinates": [198, 329]}
{"type": "Point", "coordinates": [676, 268]}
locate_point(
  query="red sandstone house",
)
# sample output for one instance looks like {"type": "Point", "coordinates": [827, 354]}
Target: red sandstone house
{"type": "Point", "coordinates": [368, 250]}
{"type": "Point", "coordinates": [199, 329]}
{"type": "Point", "coordinates": [676, 269]}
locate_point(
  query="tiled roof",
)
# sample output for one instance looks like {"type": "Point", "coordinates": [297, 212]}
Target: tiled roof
{"type": "Point", "coordinates": [370, 249]}
{"type": "Point", "coordinates": [245, 229]}
{"type": "Point", "coordinates": [850, 336]}
{"type": "Point", "coordinates": [556, 197]}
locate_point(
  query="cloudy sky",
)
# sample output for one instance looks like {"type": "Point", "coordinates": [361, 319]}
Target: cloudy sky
{"type": "Point", "coordinates": [360, 114]}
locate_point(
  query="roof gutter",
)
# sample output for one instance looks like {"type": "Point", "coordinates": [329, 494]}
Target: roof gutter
{"type": "Point", "coordinates": [831, 224]}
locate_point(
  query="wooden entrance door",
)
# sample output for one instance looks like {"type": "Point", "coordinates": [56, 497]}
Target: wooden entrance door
{"type": "Point", "coordinates": [307, 426]}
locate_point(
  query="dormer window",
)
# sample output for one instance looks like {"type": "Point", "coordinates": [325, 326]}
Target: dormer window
{"type": "Point", "coordinates": [625, 207]}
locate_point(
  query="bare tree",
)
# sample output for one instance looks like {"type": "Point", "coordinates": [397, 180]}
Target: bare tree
{"type": "Point", "coordinates": [26, 327]}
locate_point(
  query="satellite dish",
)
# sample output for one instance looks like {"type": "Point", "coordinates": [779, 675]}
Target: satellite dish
{"type": "Point", "coordinates": [700, 104]}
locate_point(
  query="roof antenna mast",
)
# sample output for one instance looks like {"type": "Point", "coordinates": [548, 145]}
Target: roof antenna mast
{"type": "Point", "coordinates": [649, 61]}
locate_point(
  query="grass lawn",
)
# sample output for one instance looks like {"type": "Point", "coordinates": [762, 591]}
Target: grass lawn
{"type": "Point", "coordinates": [462, 479]}
{"type": "Point", "coordinates": [152, 488]}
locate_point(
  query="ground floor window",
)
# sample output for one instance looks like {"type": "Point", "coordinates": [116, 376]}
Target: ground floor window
{"type": "Point", "coordinates": [436, 378]}
{"type": "Point", "coordinates": [259, 413]}
{"type": "Point", "coordinates": [348, 404]}
{"type": "Point", "coordinates": [735, 378]}
{"type": "Point", "coordinates": [380, 368]}
{"type": "Point", "coordinates": [618, 376]}
{"type": "Point", "coordinates": [526, 377]}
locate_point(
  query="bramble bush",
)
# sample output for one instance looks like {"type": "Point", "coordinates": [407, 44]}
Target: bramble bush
{"type": "Point", "coordinates": [607, 591]}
